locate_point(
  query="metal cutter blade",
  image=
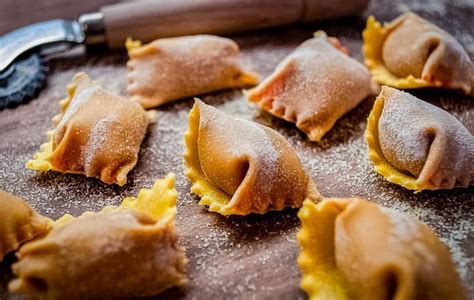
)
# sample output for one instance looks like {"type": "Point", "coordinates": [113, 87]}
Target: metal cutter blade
{"type": "Point", "coordinates": [43, 34]}
{"type": "Point", "coordinates": [22, 70]}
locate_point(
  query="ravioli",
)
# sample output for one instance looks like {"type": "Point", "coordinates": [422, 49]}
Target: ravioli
{"type": "Point", "coordinates": [173, 68]}
{"type": "Point", "coordinates": [418, 145]}
{"type": "Point", "coordinates": [19, 223]}
{"type": "Point", "coordinates": [314, 86]}
{"type": "Point", "coordinates": [238, 167]}
{"type": "Point", "coordinates": [354, 249]}
{"type": "Point", "coordinates": [97, 134]}
{"type": "Point", "coordinates": [411, 52]}
{"type": "Point", "coordinates": [127, 251]}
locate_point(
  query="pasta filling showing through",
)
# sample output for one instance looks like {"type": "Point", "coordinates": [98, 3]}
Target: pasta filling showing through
{"type": "Point", "coordinates": [411, 52]}
{"type": "Point", "coordinates": [418, 145]}
{"type": "Point", "coordinates": [314, 86]}
{"type": "Point", "coordinates": [355, 249]}
{"type": "Point", "coordinates": [238, 167]}
{"type": "Point", "coordinates": [97, 134]}
{"type": "Point", "coordinates": [19, 223]}
{"type": "Point", "coordinates": [173, 68]}
{"type": "Point", "coordinates": [130, 250]}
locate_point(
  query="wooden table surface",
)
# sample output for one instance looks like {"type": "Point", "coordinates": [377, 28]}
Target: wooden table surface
{"type": "Point", "coordinates": [252, 257]}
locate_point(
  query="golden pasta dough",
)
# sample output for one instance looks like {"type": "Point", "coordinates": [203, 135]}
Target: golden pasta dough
{"type": "Point", "coordinates": [314, 86]}
{"type": "Point", "coordinates": [354, 249]}
{"type": "Point", "coordinates": [97, 134]}
{"type": "Point", "coordinates": [239, 167]}
{"type": "Point", "coordinates": [411, 52]}
{"type": "Point", "coordinates": [126, 251]}
{"type": "Point", "coordinates": [418, 145]}
{"type": "Point", "coordinates": [19, 223]}
{"type": "Point", "coordinates": [172, 68]}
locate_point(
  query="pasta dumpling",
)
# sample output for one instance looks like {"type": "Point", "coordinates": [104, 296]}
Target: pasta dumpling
{"type": "Point", "coordinates": [19, 223]}
{"type": "Point", "coordinates": [97, 134]}
{"type": "Point", "coordinates": [238, 167]}
{"type": "Point", "coordinates": [354, 249]}
{"type": "Point", "coordinates": [418, 145]}
{"type": "Point", "coordinates": [126, 251]}
{"type": "Point", "coordinates": [314, 86]}
{"type": "Point", "coordinates": [411, 52]}
{"type": "Point", "coordinates": [173, 68]}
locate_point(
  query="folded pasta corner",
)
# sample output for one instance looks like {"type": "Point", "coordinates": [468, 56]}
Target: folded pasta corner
{"type": "Point", "coordinates": [355, 249]}
{"type": "Point", "coordinates": [321, 279]}
{"type": "Point", "coordinates": [410, 52]}
{"type": "Point", "coordinates": [210, 196]}
{"type": "Point", "coordinates": [374, 36]}
{"type": "Point", "coordinates": [381, 165]}
{"type": "Point", "coordinates": [254, 174]}
{"type": "Point", "coordinates": [418, 145]}
{"type": "Point", "coordinates": [19, 223]}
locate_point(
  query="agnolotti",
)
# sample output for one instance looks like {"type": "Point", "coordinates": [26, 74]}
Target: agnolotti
{"type": "Point", "coordinates": [97, 134]}
{"type": "Point", "coordinates": [127, 251]}
{"type": "Point", "coordinates": [354, 249]}
{"type": "Point", "coordinates": [314, 86]}
{"type": "Point", "coordinates": [19, 223]}
{"type": "Point", "coordinates": [239, 167]}
{"type": "Point", "coordinates": [173, 68]}
{"type": "Point", "coordinates": [418, 145]}
{"type": "Point", "coordinates": [411, 52]}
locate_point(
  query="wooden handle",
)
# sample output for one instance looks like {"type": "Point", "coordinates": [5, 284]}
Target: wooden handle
{"type": "Point", "coordinates": [147, 20]}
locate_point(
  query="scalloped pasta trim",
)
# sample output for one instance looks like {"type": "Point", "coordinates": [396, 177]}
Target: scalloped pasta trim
{"type": "Point", "coordinates": [381, 164]}
{"type": "Point", "coordinates": [131, 44]}
{"type": "Point", "coordinates": [211, 196]}
{"type": "Point", "coordinates": [374, 37]}
{"type": "Point", "coordinates": [40, 161]}
{"type": "Point", "coordinates": [321, 279]}
{"type": "Point", "coordinates": [159, 202]}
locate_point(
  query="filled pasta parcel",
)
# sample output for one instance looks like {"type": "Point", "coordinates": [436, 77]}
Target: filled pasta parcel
{"type": "Point", "coordinates": [130, 250]}
{"type": "Point", "coordinates": [97, 134]}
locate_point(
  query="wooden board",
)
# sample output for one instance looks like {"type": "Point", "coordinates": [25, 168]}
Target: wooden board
{"type": "Point", "coordinates": [252, 257]}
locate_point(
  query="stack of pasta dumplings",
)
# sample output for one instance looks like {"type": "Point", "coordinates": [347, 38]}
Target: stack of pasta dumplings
{"type": "Point", "coordinates": [350, 248]}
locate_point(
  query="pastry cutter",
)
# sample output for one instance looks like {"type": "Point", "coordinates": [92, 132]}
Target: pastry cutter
{"type": "Point", "coordinates": [23, 51]}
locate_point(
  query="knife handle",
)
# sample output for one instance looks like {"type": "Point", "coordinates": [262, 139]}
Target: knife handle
{"type": "Point", "coordinates": [147, 20]}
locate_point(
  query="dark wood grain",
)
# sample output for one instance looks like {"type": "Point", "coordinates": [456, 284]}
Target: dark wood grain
{"type": "Point", "coordinates": [252, 257]}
